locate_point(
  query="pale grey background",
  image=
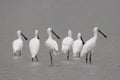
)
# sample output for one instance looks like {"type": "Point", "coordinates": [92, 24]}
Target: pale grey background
{"type": "Point", "coordinates": [77, 15]}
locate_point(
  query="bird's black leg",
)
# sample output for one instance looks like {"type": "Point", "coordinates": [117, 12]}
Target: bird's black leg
{"type": "Point", "coordinates": [19, 53]}
{"type": "Point", "coordinates": [79, 55]}
{"type": "Point", "coordinates": [36, 58]}
{"type": "Point", "coordinates": [14, 53]}
{"type": "Point", "coordinates": [87, 58]}
{"type": "Point", "coordinates": [68, 55]}
{"type": "Point", "coordinates": [51, 58]}
{"type": "Point", "coordinates": [32, 59]}
{"type": "Point", "coordinates": [90, 58]}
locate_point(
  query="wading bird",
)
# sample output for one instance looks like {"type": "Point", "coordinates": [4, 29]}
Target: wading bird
{"type": "Point", "coordinates": [90, 44]}
{"type": "Point", "coordinates": [77, 45]}
{"type": "Point", "coordinates": [51, 44]}
{"type": "Point", "coordinates": [34, 46]}
{"type": "Point", "coordinates": [18, 44]}
{"type": "Point", "coordinates": [67, 44]}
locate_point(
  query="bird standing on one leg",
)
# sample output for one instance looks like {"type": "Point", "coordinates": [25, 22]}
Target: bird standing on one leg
{"type": "Point", "coordinates": [51, 44]}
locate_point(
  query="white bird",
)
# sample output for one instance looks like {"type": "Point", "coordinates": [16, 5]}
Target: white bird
{"type": "Point", "coordinates": [77, 45]}
{"type": "Point", "coordinates": [34, 46]}
{"type": "Point", "coordinates": [18, 44]}
{"type": "Point", "coordinates": [67, 44]}
{"type": "Point", "coordinates": [90, 44]}
{"type": "Point", "coordinates": [51, 44]}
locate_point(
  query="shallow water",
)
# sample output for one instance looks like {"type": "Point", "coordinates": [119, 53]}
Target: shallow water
{"type": "Point", "coordinates": [77, 15]}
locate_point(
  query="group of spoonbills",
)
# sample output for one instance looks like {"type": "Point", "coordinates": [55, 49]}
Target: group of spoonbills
{"type": "Point", "coordinates": [78, 46]}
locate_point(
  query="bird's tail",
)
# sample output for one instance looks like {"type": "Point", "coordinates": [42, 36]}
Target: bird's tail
{"type": "Point", "coordinates": [83, 52]}
{"type": "Point", "coordinates": [56, 52]}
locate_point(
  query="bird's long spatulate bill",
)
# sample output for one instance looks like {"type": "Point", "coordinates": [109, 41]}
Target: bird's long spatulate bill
{"type": "Point", "coordinates": [24, 36]}
{"type": "Point", "coordinates": [82, 40]}
{"type": "Point", "coordinates": [38, 37]}
{"type": "Point", "coordinates": [102, 33]}
{"type": "Point", "coordinates": [55, 34]}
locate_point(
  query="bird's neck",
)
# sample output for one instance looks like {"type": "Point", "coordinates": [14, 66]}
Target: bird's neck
{"type": "Point", "coordinates": [78, 37]}
{"type": "Point", "coordinates": [19, 36]}
{"type": "Point", "coordinates": [49, 35]}
{"type": "Point", "coordinates": [70, 35]}
{"type": "Point", "coordinates": [95, 34]}
{"type": "Point", "coordinates": [49, 38]}
{"type": "Point", "coordinates": [35, 35]}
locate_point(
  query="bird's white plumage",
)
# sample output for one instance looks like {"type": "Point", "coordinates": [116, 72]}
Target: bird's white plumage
{"type": "Point", "coordinates": [90, 44]}
{"type": "Point", "coordinates": [77, 45]}
{"type": "Point", "coordinates": [67, 43]}
{"type": "Point", "coordinates": [50, 43]}
{"type": "Point", "coordinates": [18, 43]}
{"type": "Point", "coordinates": [34, 45]}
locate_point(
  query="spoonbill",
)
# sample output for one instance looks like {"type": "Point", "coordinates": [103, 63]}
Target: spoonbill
{"type": "Point", "coordinates": [90, 44]}
{"type": "Point", "coordinates": [67, 44]}
{"type": "Point", "coordinates": [34, 45]}
{"type": "Point", "coordinates": [77, 45]}
{"type": "Point", "coordinates": [51, 44]}
{"type": "Point", "coordinates": [18, 43]}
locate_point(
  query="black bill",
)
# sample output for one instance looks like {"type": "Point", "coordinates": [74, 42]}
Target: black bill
{"type": "Point", "coordinates": [102, 33]}
{"type": "Point", "coordinates": [82, 40]}
{"type": "Point", "coordinates": [24, 36]}
{"type": "Point", "coordinates": [55, 34]}
{"type": "Point", "coordinates": [38, 37]}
